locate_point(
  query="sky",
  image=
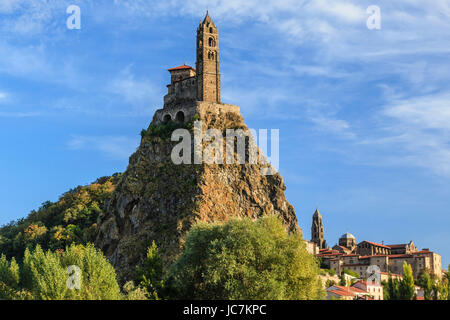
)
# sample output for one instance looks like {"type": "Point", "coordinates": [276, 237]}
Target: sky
{"type": "Point", "coordinates": [363, 114]}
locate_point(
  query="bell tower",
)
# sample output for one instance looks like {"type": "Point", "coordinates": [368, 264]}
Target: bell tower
{"type": "Point", "coordinates": [317, 234]}
{"type": "Point", "coordinates": [207, 65]}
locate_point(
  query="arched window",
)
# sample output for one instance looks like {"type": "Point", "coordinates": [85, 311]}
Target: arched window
{"type": "Point", "coordinates": [167, 118]}
{"type": "Point", "coordinates": [212, 42]}
{"type": "Point", "coordinates": [180, 117]}
{"type": "Point", "coordinates": [211, 30]}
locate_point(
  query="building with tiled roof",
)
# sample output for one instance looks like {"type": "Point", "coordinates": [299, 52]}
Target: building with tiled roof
{"type": "Point", "coordinates": [358, 291]}
{"type": "Point", "coordinates": [388, 258]}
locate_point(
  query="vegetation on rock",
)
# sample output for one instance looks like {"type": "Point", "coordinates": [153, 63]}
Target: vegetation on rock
{"type": "Point", "coordinates": [72, 219]}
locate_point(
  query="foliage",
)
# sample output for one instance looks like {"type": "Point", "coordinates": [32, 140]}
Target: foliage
{"type": "Point", "coordinates": [391, 289]}
{"type": "Point", "coordinates": [425, 282]}
{"type": "Point", "coordinates": [134, 293]}
{"type": "Point", "coordinates": [245, 259]}
{"type": "Point", "coordinates": [343, 281]}
{"type": "Point", "coordinates": [164, 130]}
{"type": "Point", "coordinates": [406, 286]}
{"type": "Point", "coordinates": [45, 276]}
{"type": "Point", "coordinates": [329, 283]}
{"type": "Point", "coordinates": [55, 225]}
{"type": "Point", "coordinates": [151, 274]}
{"type": "Point", "coordinates": [324, 271]}
{"type": "Point", "coordinates": [350, 273]}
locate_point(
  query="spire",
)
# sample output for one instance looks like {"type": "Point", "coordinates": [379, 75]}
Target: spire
{"type": "Point", "coordinates": [208, 19]}
{"type": "Point", "coordinates": [317, 213]}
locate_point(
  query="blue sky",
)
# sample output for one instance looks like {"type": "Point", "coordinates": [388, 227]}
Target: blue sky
{"type": "Point", "coordinates": [364, 115]}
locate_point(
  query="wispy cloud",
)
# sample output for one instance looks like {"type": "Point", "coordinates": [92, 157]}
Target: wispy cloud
{"type": "Point", "coordinates": [420, 127]}
{"type": "Point", "coordinates": [114, 147]}
{"type": "Point", "coordinates": [19, 114]}
{"type": "Point", "coordinates": [132, 89]}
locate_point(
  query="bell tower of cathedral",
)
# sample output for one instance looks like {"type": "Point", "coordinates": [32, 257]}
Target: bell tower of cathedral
{"type": "Point", "coordinates": [317, 234]}
{"type": "Point", "coordinates": [207, 65]}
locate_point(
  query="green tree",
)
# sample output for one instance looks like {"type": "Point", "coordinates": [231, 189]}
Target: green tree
{"type": "Point", "coordinates": [151, 273]}
{"type": "Point", "coordinates": [45, 274]}
{"type": "Point", "coordinates": [393, 288]}
{"type": "Point", "coordinates": [427, 285]}
{"type": "Point", "coordinates": [343, 281]}
{"type": "Point", "coordinates": [45, 277]}
{"type": "Point", "coordinates": [448, 282]}
{"type": "Point", "coordinates": [245, 259]}
{"type": "Point", "coordinates": [9, 278]}
{"type": "Point", "coordinates": [98, 281]}
{"type": "Point", "coordinates": [406, 287]}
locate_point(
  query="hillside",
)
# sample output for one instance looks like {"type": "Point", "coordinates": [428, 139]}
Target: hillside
{"type": "Point", "coordinates": [71, 219]}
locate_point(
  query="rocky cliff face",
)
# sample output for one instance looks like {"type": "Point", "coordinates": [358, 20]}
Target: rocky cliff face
{"type": "Point", "coordinates": [158, 200]}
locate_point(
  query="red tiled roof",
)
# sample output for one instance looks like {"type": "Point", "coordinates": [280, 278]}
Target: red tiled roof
{"type": "Point", "coordinates": [365, 283]}
{"type": "Point", "coordinates": [342, 293]}
{"type": "Point", "coordinates": [354, 289]}
{"type": "Point", "coordinates": [377, 244]}
{"type": "Point", "coordinates": [422, 252]}
{"type": "Point", "coordinates": [181, 68]}
{"type": "Point", "coordinates": [395, 256]}
{"type": "Point", "coordinates": [397, 245]}
{"type": "Point", "coordinates": [355, 265]}
{"type": "Point", "coordinates": [349, 289]}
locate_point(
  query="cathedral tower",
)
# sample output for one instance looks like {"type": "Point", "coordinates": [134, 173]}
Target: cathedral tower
{"type": "Point", "coordinates": [317, 234]}
{"type": "Point", "coordinates": [208, 74]}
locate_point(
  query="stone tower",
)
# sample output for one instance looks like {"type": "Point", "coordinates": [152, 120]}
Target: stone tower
{"type": "Point", "coordinates": [207, 65]}
{"type": "Point", "coordinates": [317, 234]}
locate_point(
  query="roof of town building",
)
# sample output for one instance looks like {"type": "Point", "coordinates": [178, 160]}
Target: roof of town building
{"type": "Point", "coordinates": [342, 293]}
{"type": "Point", "coordinates": [347, 236]}
{"type": "Point", "coordinates": [397, 245]}
{"type": "Point", "coordinates": [366, 283]}
{"type": "Point", "coordinates": [392, 274]}
{"type": "Point", "coordinates": [376, 244]}
{"type": "Point", "coordinates": [181, 68]}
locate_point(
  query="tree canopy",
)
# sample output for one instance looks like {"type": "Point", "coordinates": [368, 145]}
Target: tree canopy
{"type": "Point", "coordinates": [245, 259]}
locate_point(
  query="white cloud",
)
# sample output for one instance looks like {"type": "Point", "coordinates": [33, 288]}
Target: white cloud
{"type": "Point", "coordinates": [8, 6]}
{"type": "Point", "coordinates": [114, 147]}
{"type": "Point", "coordinates": [132, 89]}
{"type": "Point", "coordinates": [413, 132]}
{"type": "Point", "coordinates": [19, 114]}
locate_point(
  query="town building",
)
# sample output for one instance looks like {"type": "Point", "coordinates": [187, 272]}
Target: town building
{"type": "Point", "coordinates": [360, 290]}
{"type": "Point", "coordinates": [358, 257]}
